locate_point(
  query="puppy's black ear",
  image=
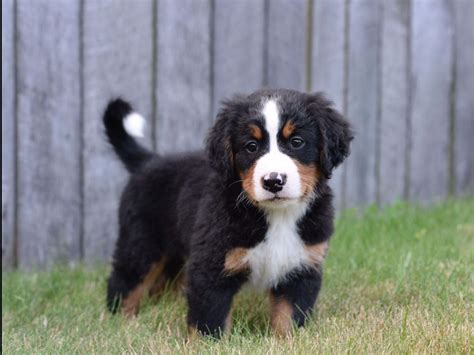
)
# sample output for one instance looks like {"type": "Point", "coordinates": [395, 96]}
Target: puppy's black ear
{"type": "Point", "coordinates": [219, 146]}
{"type": "Point", "coordinates": [336, 133]}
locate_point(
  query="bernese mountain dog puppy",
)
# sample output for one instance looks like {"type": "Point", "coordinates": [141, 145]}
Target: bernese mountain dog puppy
{"type": "Point", "coordinates": [253, 208]}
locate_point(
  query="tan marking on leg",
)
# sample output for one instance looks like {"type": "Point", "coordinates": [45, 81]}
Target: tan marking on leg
{"type": "Point", "coordinates": [247, 182]}
{"type": "Point", "coordinates": [235, 261]}
{"type": "Point", "coordinates": [309, 176]}
{"type": "Point", "coordinates": [131, 303]}
{"type": "Point", "coordinates": [281, 319]}
{"type": "Point", "coordinates": [255, 131]}
{"type": "Point", "coordinates": [193, 333]}
{"type": "Point", "coordinates": [288, 129]}
{"type": "Point", "coordinates": [179, 285]}
{"type": "Point", "coordinates": [317, 253]}
{"type": "Point", "coordinates": [158, 287]}
{"type": "Point", "coordinates": [228, 323]}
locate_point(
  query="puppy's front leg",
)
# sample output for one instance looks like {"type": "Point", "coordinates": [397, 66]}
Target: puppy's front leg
{"type": "Point", "coordinates": [209, 302]}
{"type": "Point", "coordinates": [292, 301]}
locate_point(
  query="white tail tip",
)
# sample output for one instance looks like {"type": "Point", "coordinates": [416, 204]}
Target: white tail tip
{"type": "Point", "coordinates": [134, 125]}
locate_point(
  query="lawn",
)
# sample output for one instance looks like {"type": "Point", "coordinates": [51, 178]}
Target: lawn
{"type": "Point", "coordinates": [399, 280]}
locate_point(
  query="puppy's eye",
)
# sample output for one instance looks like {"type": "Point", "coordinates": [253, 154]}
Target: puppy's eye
{"type": "Point", "coordinates": [251, 146]}
{"type": "Point", "coordinates": [296, 142]}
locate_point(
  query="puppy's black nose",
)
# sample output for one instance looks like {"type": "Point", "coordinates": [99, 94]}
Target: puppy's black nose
{"type": "Point", "coordinates": [274, 182]}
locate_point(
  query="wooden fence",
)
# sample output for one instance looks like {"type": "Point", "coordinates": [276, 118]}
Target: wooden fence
{"type": "Point", "coordinates": [401, 70]}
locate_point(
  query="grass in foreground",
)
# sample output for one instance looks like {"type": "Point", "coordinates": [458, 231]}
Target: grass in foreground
{"type": "Point", "coordinates": [397, 280]}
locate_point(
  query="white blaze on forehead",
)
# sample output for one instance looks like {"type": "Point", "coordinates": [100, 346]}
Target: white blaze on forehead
{"type": "Point", "coordinates": [272, 122]}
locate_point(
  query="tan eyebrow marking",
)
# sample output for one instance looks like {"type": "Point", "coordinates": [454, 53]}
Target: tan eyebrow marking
{"type": "Point", "coordinates": [255, 131]}
{"type": "Point", "coordinates": [288, 129]}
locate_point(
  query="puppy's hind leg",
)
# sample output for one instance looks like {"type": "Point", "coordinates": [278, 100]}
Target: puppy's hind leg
{"type": "Point", "coordinates": [129, 294]}
{"type": "Point", "coordinates": [173, 275]}
{"type": "Point", "coordinates": [128, 285]}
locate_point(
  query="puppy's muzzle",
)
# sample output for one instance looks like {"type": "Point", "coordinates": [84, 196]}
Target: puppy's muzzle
{"type": "Point", "coordinates": [274, 182]}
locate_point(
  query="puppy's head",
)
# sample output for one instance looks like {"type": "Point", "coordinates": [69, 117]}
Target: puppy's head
{"type": "Point", "coordinates": [279, 143]}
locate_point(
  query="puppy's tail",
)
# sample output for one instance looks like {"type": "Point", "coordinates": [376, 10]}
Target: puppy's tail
{"type": "Point", "coordinates": [122, 124]}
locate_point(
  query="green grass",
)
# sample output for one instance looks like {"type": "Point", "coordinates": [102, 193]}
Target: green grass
{"type": "Point", "coordinates": [398, 280]}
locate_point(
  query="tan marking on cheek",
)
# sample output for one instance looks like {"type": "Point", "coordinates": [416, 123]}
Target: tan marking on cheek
{"type": "Point", "coordinates": [131, 303]}
{"type": "Point", "coordinates": [247, 182]}
{"type": "Point", "coordinates": [235, 261]}
{"type": "Point", "coordinates": [309, 177]}
{"type": "Point", "coordinates": [281, 319]}
{"type": "Point", "coordinates": [317, 253]}
{"type": "Point", "coordinates": [288, 129]}
{"type": "Point", "coordinates": [256, 132]}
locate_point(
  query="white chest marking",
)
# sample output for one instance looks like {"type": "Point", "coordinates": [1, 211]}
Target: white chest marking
{"type": "Point", "coordinates": [281, 252]}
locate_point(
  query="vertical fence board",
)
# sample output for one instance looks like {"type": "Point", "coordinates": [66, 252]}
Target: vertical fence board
{"type": "Point", "coordinates": [286, 44]}
{"type": "Point", "coordinates": [49, 124]}
{"type": "Point", "coordinates": [8, 134]}
{"type": "Point", "coordinates": [183, 74]}
{"type": "Point", "coordinates": [431, 79]}
{"type": "Point", "coordinates": [327, 65]}
{"type": "Point", "coordinates": [238, 48]}
{"type": "Point", "coordinates": [117, 39]}
{"type": "Point", "coordinates": [73, 56]}
{"type": "Point", "coordinates": [464, 110]}
{"type": "Point", "coordinates": [393, 127]}
{"type": "Point", "coordinates": [365, 18]}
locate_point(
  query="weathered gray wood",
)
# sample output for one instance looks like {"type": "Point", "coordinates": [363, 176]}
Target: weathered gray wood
{"type": "Point", "coordinates": [286, 44]}
{"type": "Point", "coordinates": [464, 109]}
{"type": "Point", "coordinates": [73, 56]}
{"type": "Point", "coordinates": [394, 109]}
{"type": "Point", "coordinates": [238, 48]}
{"type": "Point", "coordinates": [365, 28]}
{"type": "Point", "coordinates": [327, 65]}
{"type": "Point", "coordinates": [49, 202]}
{"type": "Point", "coordinates": [431, 62]}
{"type": "Point", "coordinates": [8, 135]}
{"type": "Point", "coordinates": [183, 91]}
{"type": "Point", "coordinates": [118, 58]}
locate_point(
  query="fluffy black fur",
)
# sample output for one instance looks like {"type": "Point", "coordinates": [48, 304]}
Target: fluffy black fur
{"type": "Point", "coordinates": [183, 207]}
